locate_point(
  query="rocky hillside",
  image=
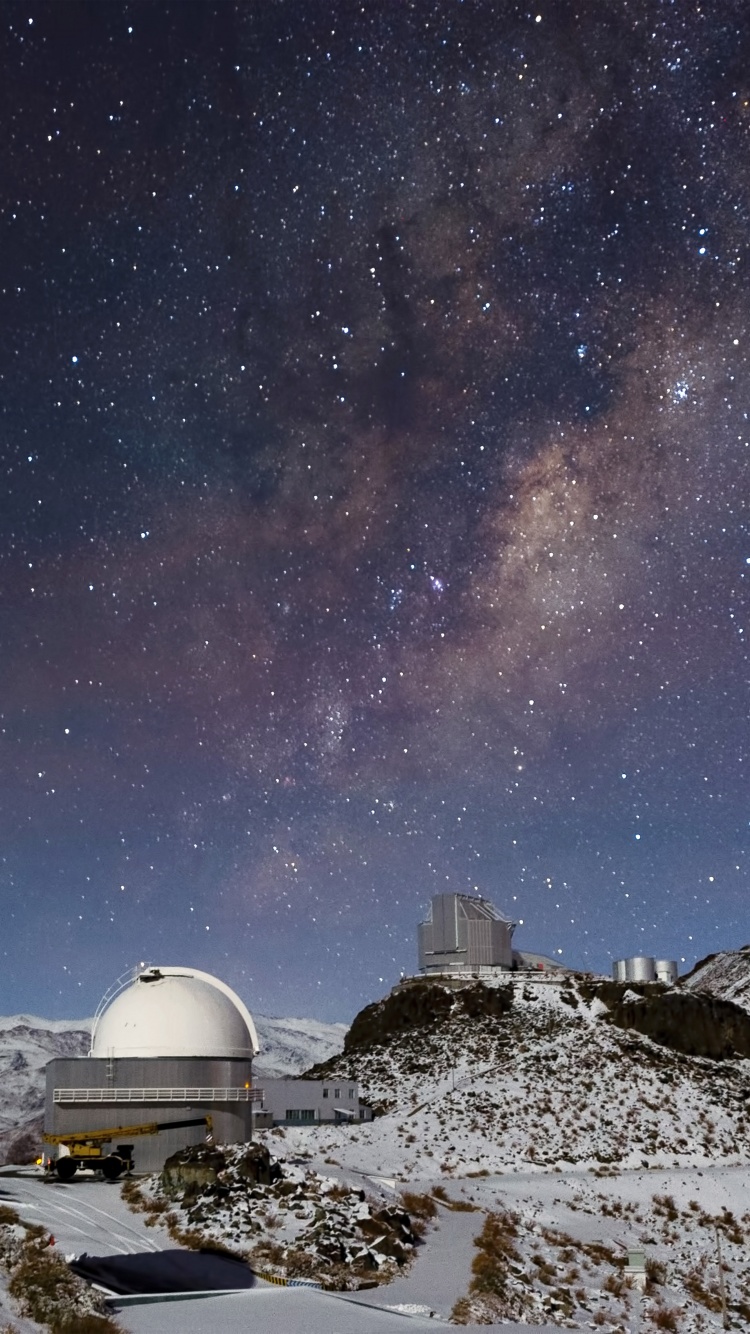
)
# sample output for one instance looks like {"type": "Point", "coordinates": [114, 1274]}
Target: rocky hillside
{"type": "Point", "coordinates": [287, 1219]}
{"type": "Point", "coordinates": [27, 1043]}
{"type": "Point", "coordinates": [542, 1074]}
{"type": "Point", "coordinates": [725, 975]}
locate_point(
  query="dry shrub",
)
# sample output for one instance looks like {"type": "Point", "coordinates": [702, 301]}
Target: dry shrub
{"type": "Point", "coordinates": [461, 1313]}
{"type": "Point", "coordinates": [613, 1283]}
{"type": "Point", "coordinates": [664, 1317]}
{"type": "Point", "coordinates": [418, 1206]}
{"type": "Point", "coordinates": [337, 1192]}
{"type": "Point", "coordinates": [495, 1246]}
{"type": "Point", "coordinates": [270, 1252]}
{"type": "Point", "coordinates": [48, 1291]}
{"type": "Point", "coordinates": [300, 1264]}
{"type": "Point", "coordinates": [656, 1270]}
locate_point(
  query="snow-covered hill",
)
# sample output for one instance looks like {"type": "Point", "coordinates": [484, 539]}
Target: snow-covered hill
{"type": "Point", "coordinates": [27, 1043]}
{"type": "Point", "coordinates": [725, 975]}
{"type": "Point", "coordinates": [539, 1077]}
{"type": "Point", "coordinates": [543, 1130]}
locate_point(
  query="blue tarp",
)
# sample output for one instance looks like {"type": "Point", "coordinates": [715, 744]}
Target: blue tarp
{"type": "Point", "coordinates": [165, 1271]}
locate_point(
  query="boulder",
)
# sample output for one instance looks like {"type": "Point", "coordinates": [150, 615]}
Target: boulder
{"type": "Point", "coordinates": [191, 1170]}
{"type": "Point", "coordinates": [257, 1165]}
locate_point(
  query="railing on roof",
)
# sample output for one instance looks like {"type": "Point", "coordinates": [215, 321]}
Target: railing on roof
{"type": "Point", "coordinates": [158, 1095]}
{"type": "Point", "coordinates": [123, 981]}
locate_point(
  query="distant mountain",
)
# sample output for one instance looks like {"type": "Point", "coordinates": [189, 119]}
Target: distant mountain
{"type": "Point", "coordinates": [28, 1042]}
{"type": "Point", "coordinates": [725, 975]}
{"type": "Point", "coordinates": [289, 1046]}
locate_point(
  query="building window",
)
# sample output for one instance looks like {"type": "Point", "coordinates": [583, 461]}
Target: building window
{"type": "Point", "coordinates": [325, 1093]}
{"type": "Point", "coordinates": [337, 1093]}
{"type": "Point", "coordinates": [300, 1114]}
{"type": "Point", "coordinates": [351, 1093]}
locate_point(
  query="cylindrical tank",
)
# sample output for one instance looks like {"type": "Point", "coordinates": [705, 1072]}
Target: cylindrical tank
{"type": "Point", "coordinates": [620, 970]}
{"type": "Point", "coordinates": [666, 971]}
{"type": "Point", "coordinates": [641, 968]}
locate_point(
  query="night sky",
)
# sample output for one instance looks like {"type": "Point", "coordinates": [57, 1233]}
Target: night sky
{"type": "Point", "coordinates": [375, 476]}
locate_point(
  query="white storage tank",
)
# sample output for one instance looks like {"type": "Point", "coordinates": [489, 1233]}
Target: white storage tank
{"type": "Point", "coordinates": [620, 970]}
{"type": "Point", "coordinates": [666, 971]}
{"type": "Point", "coordinates": [641, 968]}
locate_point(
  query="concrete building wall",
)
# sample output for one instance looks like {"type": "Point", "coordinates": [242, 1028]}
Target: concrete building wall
{"type": "Point", "coordinates": [113, 1082]}
{"type": "Point", "coordinates": [232, 1120]}
{"type": "Point", "coordinates": [309, 1101]}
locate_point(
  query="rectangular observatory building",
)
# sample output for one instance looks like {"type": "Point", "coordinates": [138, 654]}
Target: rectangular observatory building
{"type": "Point", "coordinates": [464, 933]}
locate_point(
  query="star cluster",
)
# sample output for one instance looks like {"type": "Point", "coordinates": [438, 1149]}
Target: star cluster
{"type": "Point", "coordinates": [375, 443]}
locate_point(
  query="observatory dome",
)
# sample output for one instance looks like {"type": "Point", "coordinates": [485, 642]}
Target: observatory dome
{"type": "Point", "coordinates": [174, 1012]}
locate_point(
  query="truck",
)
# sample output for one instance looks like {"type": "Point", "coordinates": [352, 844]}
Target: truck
{"type": "Point", "coordinates": [91, 1148]}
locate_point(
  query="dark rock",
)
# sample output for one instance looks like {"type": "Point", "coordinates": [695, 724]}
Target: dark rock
{"type": "Point", "coordinates": [192, 1169]}
{"type": "Point", "coordinates": [423, 1005]}
{"type": "Point", "coordinates": [689, 1022]}
{"type": "Point", "coordinates": [257, 1165]}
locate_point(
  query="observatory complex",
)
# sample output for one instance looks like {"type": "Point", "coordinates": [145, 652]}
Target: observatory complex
{"type": "Point", "coordinates": [466, 934]}
{"type": "Point", "coordinates": [171, 1060]}
{"type": "Point", "coordinates": [644, 968]}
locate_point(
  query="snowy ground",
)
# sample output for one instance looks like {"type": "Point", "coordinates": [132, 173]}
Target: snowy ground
{"type": "Point", "coordinates": [583, 1140]}
{"type": "Point", "coordinates": [570, 1220]}
{"type": "Point", "coordinates": [89, 1215]}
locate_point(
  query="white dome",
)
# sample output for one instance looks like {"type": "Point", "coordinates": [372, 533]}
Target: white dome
{"type": "Point", "coordinates": [175, 1012]}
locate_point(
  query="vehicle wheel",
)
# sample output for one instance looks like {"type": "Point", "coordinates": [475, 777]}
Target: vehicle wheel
{"type": "Point", "coordinates": [112, 1167]}
{"type": "Point", "coordinates": [66, 1168]}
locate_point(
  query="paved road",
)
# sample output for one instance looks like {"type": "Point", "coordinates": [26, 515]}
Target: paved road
{"type": "Point", "coordinates": [82, 1215]}
{"type": "Point", "coordinates": [89, 1215]}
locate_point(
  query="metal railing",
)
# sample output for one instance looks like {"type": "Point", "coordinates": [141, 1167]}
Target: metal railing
{"type": "Point", "coordinates": [158, 1095]}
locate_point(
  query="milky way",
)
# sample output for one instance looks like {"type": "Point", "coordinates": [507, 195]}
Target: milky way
{"type": "Point", "coordinates": [375, 446]}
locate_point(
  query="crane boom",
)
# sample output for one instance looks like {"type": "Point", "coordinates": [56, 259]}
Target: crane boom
{"type": "Point", "coordinates": [85, 1148]}
{"type": "Point", "coordinates": [94, 1137]}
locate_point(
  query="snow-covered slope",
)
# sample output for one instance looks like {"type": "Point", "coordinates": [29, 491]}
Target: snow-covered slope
{"type": "Point", "coordinates": [289, 1046]}
{"type": "Point", "coordinates": [725, 975]}
{"type": "Point", "coordinates": [27, 1043]}
{"type": "Point", "coordinates": [549, 1082]}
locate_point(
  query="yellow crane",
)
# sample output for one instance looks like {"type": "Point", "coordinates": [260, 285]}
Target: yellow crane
{"type": "Point", "coordinates": [86, 1148]}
